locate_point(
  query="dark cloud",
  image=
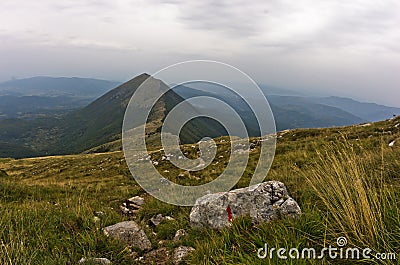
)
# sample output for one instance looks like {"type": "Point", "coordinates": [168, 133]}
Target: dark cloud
{"type": "Point", "coordinates": [336, 23]}
{"type": "Point", "coordinates": [233, 18]}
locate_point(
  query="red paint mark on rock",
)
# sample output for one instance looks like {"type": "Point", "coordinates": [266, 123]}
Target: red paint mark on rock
{"type": "Point", "coordinates": [229, 211]}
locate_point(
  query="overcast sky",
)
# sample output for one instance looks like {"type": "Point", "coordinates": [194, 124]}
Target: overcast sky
{"type": "Point", "coordinates": [330, 47]}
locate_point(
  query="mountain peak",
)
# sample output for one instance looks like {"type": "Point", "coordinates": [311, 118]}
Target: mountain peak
{"type": "Point", "coordinates": [144, 75]}
{"type": "Point", "coordinates": [139, 78]}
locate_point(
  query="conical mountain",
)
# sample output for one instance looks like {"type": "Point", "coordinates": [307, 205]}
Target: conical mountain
{"type": "Point", "coordinates": [101, 121]}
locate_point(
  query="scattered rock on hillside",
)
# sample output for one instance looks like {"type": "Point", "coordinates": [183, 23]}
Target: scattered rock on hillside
{"type": "Point", "coordinates": [130, 233]}
{"type": "Point", "coordinates": [264, 202]}
{"type": "Point", "coordinates": [159, 256]}
{"type": "Point", "coordinates": [180, 253]}
{"type": "Point", "coordinates": [164, 181]}
{"type": "Point", "coordinates": [365, 125]}
{"type": "Point", "coordinates": [136, 201]}
{"type": "Point", "coordinates": [179, 234]}
{"type": "Point", "coordinates": [157, 219]}
{"type": "Point", "coordinates": [132, 205]}
{"type": "Point", "coordinates": [98, 213]}
{"type": "Point", "coordinates": [100, 261]}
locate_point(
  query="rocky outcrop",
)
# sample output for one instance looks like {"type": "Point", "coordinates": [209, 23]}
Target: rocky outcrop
{"type": "Point", "coordinates": [264, 202]}
{"type": "Point", "coordinates": [130, 233]}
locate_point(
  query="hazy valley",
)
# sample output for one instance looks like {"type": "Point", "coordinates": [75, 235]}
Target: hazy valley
{"type": "Point", "coordinates": [47, 116]}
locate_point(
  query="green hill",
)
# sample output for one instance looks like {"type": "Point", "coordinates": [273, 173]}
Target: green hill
{"type": "Point", "coordinates": [346, 180]}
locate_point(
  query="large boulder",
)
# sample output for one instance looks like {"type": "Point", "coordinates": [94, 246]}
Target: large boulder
{"type": "Point", "coordinates": [130, 233]}
{"type": "Point", "coordinates": [264, 202]}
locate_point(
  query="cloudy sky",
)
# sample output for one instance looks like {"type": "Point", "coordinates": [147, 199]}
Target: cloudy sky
{"type": "Point", "coordinates": [328, 47]}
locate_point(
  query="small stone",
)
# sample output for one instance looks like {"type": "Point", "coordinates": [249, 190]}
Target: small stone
{"type": "Point", "coordinates": [126, 210]}
{"type": "Point", "coordinates": [139, 259]}
{"type": "Point", "coordinates": [180, 253]}
{"type": "Point", "coordinates": [130, 233]}
{"type": "Point", "coordinates": [99, 213]}
{"type": "Point", "coordinates": [159, 256]}
{"type": "Point", "coordinates": [132, 205]}
{"type": "Point", "coordinates": [169, 218]}
{"type": "Point", "coordinates": [365, 125]}
{"type": "Point", "coordinates": [164, 181]}
{"type": "Point", "coordinates": [179, 234]}
{"type": "Point", "coordinates": [137, 200]}
{"type": "Point", "coordinates": [100, 261]}
{"type": "Point", "coordinates": [156, 220]}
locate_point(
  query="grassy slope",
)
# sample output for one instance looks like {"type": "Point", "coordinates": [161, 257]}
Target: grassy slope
{"type": "Point", "coordinates": [47, 204]}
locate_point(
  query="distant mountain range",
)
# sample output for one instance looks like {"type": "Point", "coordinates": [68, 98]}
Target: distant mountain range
{"type": "Point", "coordinates": [367, 111]}
{"type": "Point", "coordinates": [45, 116]}
{"type": "Point", "coordinates": [57, 86]}
{"type": "Point", "coordinates": [45, 96]}
{"type": "Point", "coordinates": [294, 111]}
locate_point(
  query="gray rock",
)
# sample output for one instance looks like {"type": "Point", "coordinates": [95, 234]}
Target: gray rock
{"type": "Point", "coordinates": [179, 234]}
{"type": "Point", "coordinates": [180, 253]}
{"type": "Point", "coordinates": [98, 213]}
{"type": "Point", "coordinates": [137, 200]}
{"type": "Point", "coordinates": [100, 261]}
{"type": "Point", "coordinates": [159, 256]}
{"type": "Point", "coordinates": [157, 219]}
{"type": "Point", "coordinates": [130, 233]}
{"type": "Point", "coordinates": [164, 181]}
{"type": "Point", "coordinates": [132, 205]}
{"type": "Point", "coordinates": [264, 202]}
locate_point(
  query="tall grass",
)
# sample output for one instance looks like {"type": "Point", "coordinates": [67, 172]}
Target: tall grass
{"type": "Point", "coordinates": [355, 195]}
